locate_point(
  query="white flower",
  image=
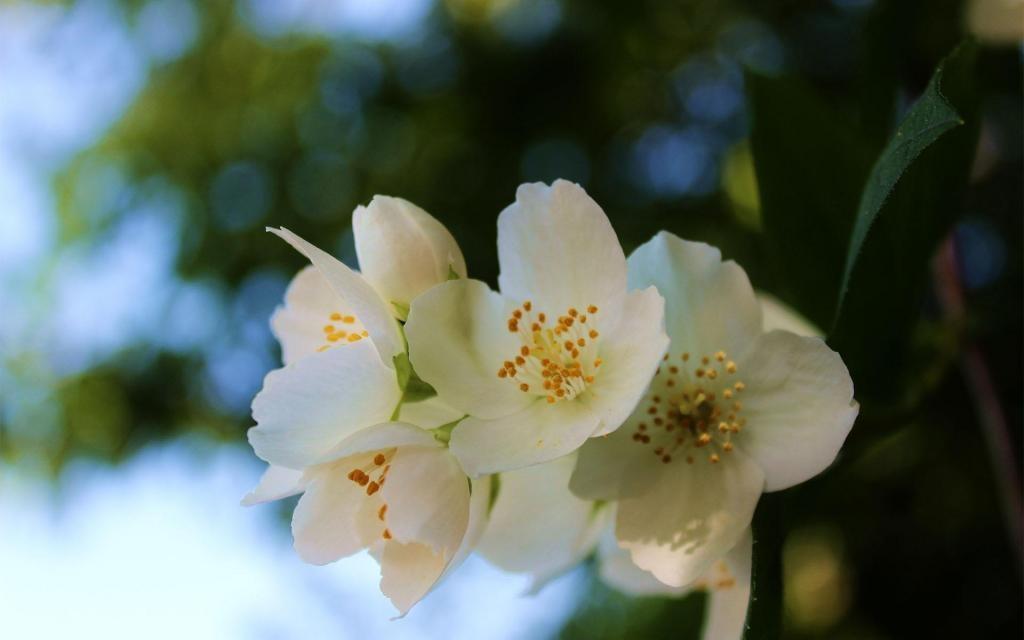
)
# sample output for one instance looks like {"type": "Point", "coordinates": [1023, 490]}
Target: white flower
{"type": "Point", "coordinates": [563, 353]}
{"type": "Point", "coordinates": [727, 582]}
{"type": "Point", "coordinates": [397, 491]}
{"type": "Point", "coordinates": [537, 526]}
{"type": "Point", "coordinates": [323, 425]}
{"type": "Point", "coordinates": [403, 250]}
{"type": "Point", "coordinates": [732, 411]}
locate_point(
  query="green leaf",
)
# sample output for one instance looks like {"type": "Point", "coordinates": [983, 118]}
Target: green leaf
{"type": "Point", "coordinates": [910, 201]}
{"type": "Point", "coordinates": [811, 164]}
{"type": "Point", "coordinates": [403, 369]}
{"type": "Point", "coordinates": [413, 388]}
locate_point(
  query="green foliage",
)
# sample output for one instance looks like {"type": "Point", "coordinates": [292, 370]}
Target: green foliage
{"type": "Point", "coordinates": [914, 194]}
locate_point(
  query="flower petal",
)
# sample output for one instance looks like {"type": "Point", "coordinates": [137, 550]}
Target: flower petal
{"type": "Point", "coordinates": [409, 572]}
{"type": "Point", "coordinates": [275, 483]}
{"type": "Point", "coordinates": [402, 249]}
{"type": "Point", "coordinates": [428, 414]}
{"type": "Point", "coordinates": [631, 355]}
{"type": "Point", "coordinates": [458, 339]}
{"type": "Point", "coordinates": [778, 315]}
{"type": "Point", "coordinates": [617, 570]}
{"type": "Point", "coordinates": [386, 435]}
{"type": "Point", "coordinates": [709, 304]}
{"type": "Point", "coordinates": [308, 306]}
{"type": "Point", "coordinates": [612, 467]}
{"type": "Point", "coordinates": [539, 433]}
{"type": "Point", "coordinates": [326, 523]}
{"type": "Point", "coordinates": [305, 409]}
{"type": "Point", "coordinates": [427, 495]}
{"type": "Point", "coordinates": [372, 311]}
{"type": "Point", "coordinates": [557, 249]}
{"type": "Point", "coordinates": [728, 585]}
{"type": "Point", "coordinates": [537, 526]}
{"type": "Point", "coordinates": [799, 407]}
{"type": "Point", "coordinates": [692, 517]}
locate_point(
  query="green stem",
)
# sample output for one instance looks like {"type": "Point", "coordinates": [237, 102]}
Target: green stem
{"type": "Point", "coordinates": [764, 620]}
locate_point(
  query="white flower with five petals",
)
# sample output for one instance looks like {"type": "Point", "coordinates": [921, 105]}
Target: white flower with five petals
{"type": "Point", "coordinates": [562, 354]}
{"type": "Point", "coordinates": [732, 411]}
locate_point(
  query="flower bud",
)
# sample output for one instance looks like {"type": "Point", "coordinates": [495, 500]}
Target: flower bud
{"type": "Point", "coordinates": [403, 250]}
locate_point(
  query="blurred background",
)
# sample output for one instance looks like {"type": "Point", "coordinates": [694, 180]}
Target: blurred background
{"type": "Point", "coordinates": [145, 144]}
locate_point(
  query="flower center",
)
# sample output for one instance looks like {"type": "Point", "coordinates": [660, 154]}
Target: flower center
{"type": "Point", "coordinates": [341, 329]}
{"type": "Point", "coordinates": [380, 464]}
{"type": "Point", "coordinates": [691, 409]}
{"type": "Point", "coordinates": [557, 359]}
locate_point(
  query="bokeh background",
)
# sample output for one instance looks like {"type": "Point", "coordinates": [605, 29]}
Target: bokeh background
{"type": "Point", "coordinates": [145, 144]}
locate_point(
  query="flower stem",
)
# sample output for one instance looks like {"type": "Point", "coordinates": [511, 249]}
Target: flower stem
{"type": "Point", "coordinates": [764, 618]}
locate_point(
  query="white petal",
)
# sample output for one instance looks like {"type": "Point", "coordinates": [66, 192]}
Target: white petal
{"type": "Point", "coordinates": [402, 249]}
{"type": "Point", "coordinates": [386, 435]}
{"type": "Point", "coordinates": [326, 523]}
{"type": "Point", "coordinates": [728, 585]}
{"type": "Point", "coordinates": [539, 433]}
{"type": "Point", "coordinates": [557, 249]}
{"type": "Point", "coordinates": [799, 407]}
{"type": "Point", "coordinates": [305, 409]}
{"type": "Point", "coordinates": [458, 339]}
{"type": "Point", "coordinates": [408, 572]}
{"type": "Point", "coordinates": [617, 569]}
{"type": "Point", "coordinates": [709, 304]}
{"type": "Point", "coordinates": [692, 517]}
{"type": "Point", "coordinates": [479, 502]}
{"type": "Point", "coordinates": [631, 355]}
{"type": "Point", "coordinates": [308, 306]}
{"type": "Point", "coordinates": [537, 526]}
{"type": "Point", "coordinates": [778, 315]}
{"type": "Point", "coordinates": [612, 467]}
{"type": "Point", "coordinates": [427, 495]}
{"type": "Point", "coordinates": [428, 414]}
{"type": "Point", "coordinates": [372, 311]}
{"type": "Point", "coordinates": [275, 483]}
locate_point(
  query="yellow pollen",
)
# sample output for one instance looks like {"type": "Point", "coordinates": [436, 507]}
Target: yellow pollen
{"type": "Point", "coordinates": [591, 309]}
{"type": "Point", "coordinates": [528, 305]}
{"type": "Point", "coordinates": [372, 488]}
{"type": "Point", "coordinates": [354, 337]}
{"type": "Point", "coordinates": [690, 408]}
{"type": "Point", "coordinates": [524, 387]}
{"type": "Point", "coordinates": [336, 316]}
{"type": "Point", "coordinates": [386, 535]}
{"type": "Point", "coordinates": [379, 459]}
{"type": "Point", "coordinates": [328, 328]}
{"type": "Point", "coordinates": [348, 319]}
{"type": "Point", "coordinates": [383, 510]}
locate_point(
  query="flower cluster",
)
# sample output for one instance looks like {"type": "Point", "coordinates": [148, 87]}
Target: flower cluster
{"type": "Point", "coordinates": [633, 408]}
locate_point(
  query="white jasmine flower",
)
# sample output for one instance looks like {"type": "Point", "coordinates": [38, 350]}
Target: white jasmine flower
{"type": "Point", "coordinates": [563, 353]}
{"type": "Point", "coordinates": [537, 526]}
{"type": "Point", "coordinates": [732, 411]}
{"type": "Point", "coordinates": [727, 583]}
{"type": "Point", "coordinates": [323, 424]}
{"type": "Point", "coordinates": [402, 250]}
{"type": "Point", "coordinates": [396, 490]}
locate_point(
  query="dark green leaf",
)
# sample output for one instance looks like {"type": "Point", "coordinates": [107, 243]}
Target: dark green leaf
{"type": "Point", "coordinates": [908, 206]}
